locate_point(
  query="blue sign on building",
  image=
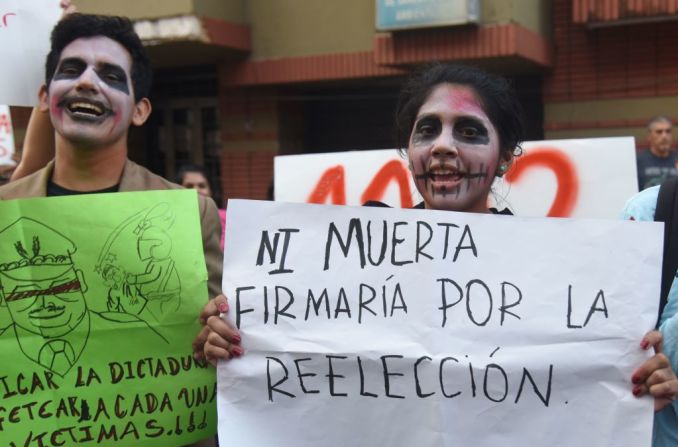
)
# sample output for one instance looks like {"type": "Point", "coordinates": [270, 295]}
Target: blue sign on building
{"type": "Point", "coordinates": [403, 14]}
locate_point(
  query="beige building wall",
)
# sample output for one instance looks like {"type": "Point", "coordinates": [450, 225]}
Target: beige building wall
{"type": "Point", "coordinates": [639, 133]}
{"type": "Point", "coordinates": [602, 118]}
{"type": "Point", "coordinates": [534, 15]}
{"type": "Point", "coordinates": [135, 9]}
{"type": "Point", "coordinates": [292, 28]}
{"type": "Point", "coordinates": [228, 10]}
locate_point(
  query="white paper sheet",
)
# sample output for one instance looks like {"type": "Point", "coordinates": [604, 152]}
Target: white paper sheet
{"type": "Point", "coordinates": [25, 27]}
{"type": "Point", "coordinates": [552, 368]}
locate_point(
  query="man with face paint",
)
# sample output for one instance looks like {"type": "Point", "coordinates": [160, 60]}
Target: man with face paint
{"type": "Point", "coordinates": [97, 82]}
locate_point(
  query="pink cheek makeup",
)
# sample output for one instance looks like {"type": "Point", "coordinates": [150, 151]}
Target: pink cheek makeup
{"type": "Point", "coordinates": [117, 117]}
{"type": "Point", "coordinates": [55, 109]}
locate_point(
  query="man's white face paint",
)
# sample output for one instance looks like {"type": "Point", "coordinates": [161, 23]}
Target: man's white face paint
{"type": "Point", "coordinates": [91, 97]}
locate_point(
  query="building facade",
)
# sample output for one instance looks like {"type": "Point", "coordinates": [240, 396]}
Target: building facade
{"type": "Point", "coordinates": [240, 81]}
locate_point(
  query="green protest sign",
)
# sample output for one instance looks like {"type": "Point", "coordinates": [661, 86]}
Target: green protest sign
{"type": "Point", "coordinates": [99, 297]}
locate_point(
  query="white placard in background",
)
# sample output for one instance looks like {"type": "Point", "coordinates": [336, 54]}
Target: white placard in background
{"type": "Point", "coordinates": [25, 27]}
{"type": "Point", "coordinates": [370, 326]}
{"type": "Point", "coordinates": [567, 178]}
{"type": "Point", "coordinates": [6, 137]}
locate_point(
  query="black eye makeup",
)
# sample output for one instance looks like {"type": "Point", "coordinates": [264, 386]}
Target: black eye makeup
{"type": "Point", "coordinates": [471, 131]}
{"type": "Point", "coordinates": [111, 74]}
{"type": "Point", "coordinates": [114, 76]}
{"type": "Point", "coordinates": [466, 130]}
{"type": "Point", "coordinates": [70, 69]}
{"type": "Point", "coordinates": [426, 129]}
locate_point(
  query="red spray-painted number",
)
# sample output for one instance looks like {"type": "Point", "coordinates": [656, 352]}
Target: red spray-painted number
{"type": "Point", "coordinates": [393, 170]}
{"type": "Point", "coordinates": [565, 171]}
{"type": "Point", "coordinates": [332, 184]}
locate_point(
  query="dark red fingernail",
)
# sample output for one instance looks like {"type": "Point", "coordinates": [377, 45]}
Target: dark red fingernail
{"type": "Point", "coordinates": [223, 308]}
{"type": "Point", "coordinates": [636, 391]}
{"type": "Point", "coordinates": [236, 338]}
{"type": "Point", "coordinates": [238, 351]}
{"type": "Point", "coordinates": [635, 380]}
{"type": "Point", "coordinates": [644, 344]}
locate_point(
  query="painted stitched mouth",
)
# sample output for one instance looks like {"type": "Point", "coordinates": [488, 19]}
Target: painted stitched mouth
{"type": "Point", "coordinates": [444, 175]}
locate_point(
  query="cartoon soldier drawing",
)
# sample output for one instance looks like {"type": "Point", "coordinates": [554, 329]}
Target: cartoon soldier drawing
{"type": "Point", "coordinates": [43, 292]}
{"type": "Point", "coordinates": [148, 285]}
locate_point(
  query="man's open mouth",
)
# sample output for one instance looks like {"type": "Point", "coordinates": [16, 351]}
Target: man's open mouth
{"type": "Point", "coordinates": [86, 109]}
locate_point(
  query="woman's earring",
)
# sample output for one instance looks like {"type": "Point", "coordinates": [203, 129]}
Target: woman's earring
{"type": "Point", "coordinates": [502, 169]}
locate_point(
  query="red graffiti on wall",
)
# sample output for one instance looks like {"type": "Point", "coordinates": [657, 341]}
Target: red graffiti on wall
{"type": "Point", "coordinates": [396, 171]}
{"type": "Point", "coordinates": [565, 171]}
{"type": "Point", "coordinates": [332, 184]}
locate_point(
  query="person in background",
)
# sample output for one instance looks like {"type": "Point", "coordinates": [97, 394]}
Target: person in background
{"type": "Point", "coordinates": [194, 177]}
{"type": "Point", "coordinates": [659, 161]}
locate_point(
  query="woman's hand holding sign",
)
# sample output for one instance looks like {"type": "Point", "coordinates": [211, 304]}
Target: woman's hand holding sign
{"type": "Point", "coordinates": [655, 376]}
{"type": "Point", "coordinates": [217, 339]}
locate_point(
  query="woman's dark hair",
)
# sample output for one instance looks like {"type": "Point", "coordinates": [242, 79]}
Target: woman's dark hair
{"type": "Point", "coordinates": [497, 96]}
{"type": "Point", "coordinates": [188, 167]}
{"type": "Point", "coordinates": [119, 29]}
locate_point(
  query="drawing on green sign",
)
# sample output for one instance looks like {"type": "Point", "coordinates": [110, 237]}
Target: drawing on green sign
{"type": "Point", "coordinates": [149, 288]}
{"type": "Point", "coordinates": [44, 292]}
{"type": "Point", "coordinates": [98, 302]}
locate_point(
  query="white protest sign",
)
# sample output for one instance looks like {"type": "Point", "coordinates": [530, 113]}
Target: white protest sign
{"type": "Point", "coordinates": [371, 326]}
{"type": "Point", "coordinates": [25, 27]}
{"type": "Point", "coordinates": [6, 137]}
{"type": "Point", "coordinates": [560, 178]}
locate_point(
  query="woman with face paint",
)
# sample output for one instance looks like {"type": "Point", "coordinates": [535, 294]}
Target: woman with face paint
{"type": "Point", "coordinates": [461, 128]}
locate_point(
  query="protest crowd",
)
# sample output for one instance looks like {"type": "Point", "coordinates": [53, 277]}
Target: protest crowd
{"type": "Point", "coordinates": [459, 129]}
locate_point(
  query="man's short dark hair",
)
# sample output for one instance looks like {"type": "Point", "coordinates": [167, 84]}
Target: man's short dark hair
{"type": "Point", "coordinates": [119, 29]}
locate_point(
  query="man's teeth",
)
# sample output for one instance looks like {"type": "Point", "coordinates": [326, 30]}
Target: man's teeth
{"type": "Point", "coordinates": [84, 107]}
